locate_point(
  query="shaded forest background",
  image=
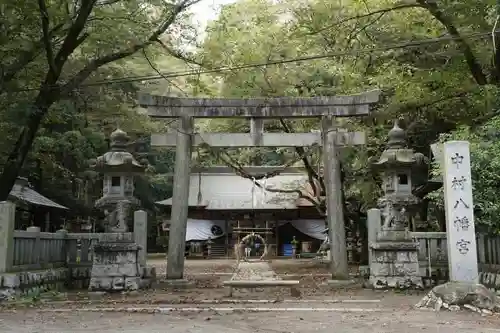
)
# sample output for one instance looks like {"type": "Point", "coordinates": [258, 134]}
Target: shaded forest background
{"type": "Point", "coordinates": [71, 71]}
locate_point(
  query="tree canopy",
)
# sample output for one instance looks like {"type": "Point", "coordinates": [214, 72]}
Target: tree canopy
{"type": "Point", "coordinates": [71, 70]}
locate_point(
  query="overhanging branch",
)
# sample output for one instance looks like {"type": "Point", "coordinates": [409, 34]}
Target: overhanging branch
{"type": "Point", "coordinates": [95, 64]}
{"type": "Point", "coordinates": [26, 56]}
{"type": "Point", "coordinates": [472, 62]}
{"type": "Point", "coordinates": [380, 12]}
{"type": "Point", "coordinates": [311, 173]}
{"type": "Point", "coordinates": [46, 38]}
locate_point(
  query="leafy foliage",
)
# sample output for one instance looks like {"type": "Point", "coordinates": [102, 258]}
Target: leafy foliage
{"type": "Point", "coordinates": [431, 59]}
{"type": "Point", "coordinates": [436, 62]}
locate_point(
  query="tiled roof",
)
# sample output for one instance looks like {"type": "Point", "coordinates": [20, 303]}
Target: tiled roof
{"type": "Point", "coordinates": [26, 194]}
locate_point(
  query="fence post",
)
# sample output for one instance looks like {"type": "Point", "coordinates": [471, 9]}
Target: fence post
{"type": "Point", "coordinates": [38, 245]}
{"type": "Point", "coordinates": [481, 254]}
{"type": "Point", "coordinates": [373, 225]}
{"type": "Point", "coordinates": [141, 234]}
{"type": "Point", "coordinates": [64, 236]}
{"type": "Point", "coordinates": [7, 221]}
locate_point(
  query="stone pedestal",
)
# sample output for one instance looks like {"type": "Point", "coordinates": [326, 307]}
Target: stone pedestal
{"type": "Point", "coordinates": [115, 267]}
{"type": "Point", "coordinates": [395, 265]}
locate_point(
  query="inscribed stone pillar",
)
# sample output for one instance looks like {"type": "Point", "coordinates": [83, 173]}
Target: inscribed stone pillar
{"type": "Point", "coordinates": [7, 221]}
{"type": "Point", "coordinates": [461, 236]}
{"type": "Point", "coordinates": [374, 222]}
{"type": "Point", "coordinates": [141, 235]}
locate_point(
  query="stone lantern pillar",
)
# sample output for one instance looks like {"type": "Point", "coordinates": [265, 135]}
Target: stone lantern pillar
{"type": "Point", "coordinates": [118, 167]}
{"type": "Point", "coordinates": [394, 259]}
{"type": "Point", "coordinates": [116, 266]}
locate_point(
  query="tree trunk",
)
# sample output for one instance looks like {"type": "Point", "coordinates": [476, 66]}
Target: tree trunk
{"type": "Point", "coordinates": [23, 144]}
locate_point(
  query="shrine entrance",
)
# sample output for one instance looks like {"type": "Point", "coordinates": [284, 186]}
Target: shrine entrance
{"type": "Point", "coordinates": [247, 248]}
{"type": "Point", "coordinates": [255, 231]}
{"type": "Point", "coordinates": [327, 108]}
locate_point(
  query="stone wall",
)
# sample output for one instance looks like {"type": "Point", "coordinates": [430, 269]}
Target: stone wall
{"type": "Point", "coordinates": [41, 262]}
{"type": "Point", "coordinates": [32, 283]}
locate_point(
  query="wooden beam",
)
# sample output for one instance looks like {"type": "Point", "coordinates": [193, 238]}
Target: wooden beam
{"type": "Point", "coordinates": [289, 107]}
{"type": "Point", "coordinates": [250, 169]}
{"type": "Point", "coordinates": [236, 140]}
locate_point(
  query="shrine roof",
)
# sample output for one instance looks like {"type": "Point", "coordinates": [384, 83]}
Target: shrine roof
{"type": "Point", "coordinates": [226, 191]}
{"type": "Point", "coordinates": [22, 192]}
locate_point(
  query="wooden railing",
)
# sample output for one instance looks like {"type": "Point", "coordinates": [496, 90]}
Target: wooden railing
{"type": "Point", "coordinates": [41, 250]}
{"type": "Point", "coordinates": [433, 253]}
{"type": "Point", "coordinates": [36, 250]}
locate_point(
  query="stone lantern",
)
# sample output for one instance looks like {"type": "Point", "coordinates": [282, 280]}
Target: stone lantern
{"type": "Point", "coordinates": [399, 168]}
{"type": "Point", "coordinates": [394, 260]}
{"type": "Point", "coordinates": [118, 167]}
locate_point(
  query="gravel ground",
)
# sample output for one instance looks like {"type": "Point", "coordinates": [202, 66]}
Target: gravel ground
{"type": "Point", "coordinates": [393, 313]}
{"type": "Point", "coordinates": [389, 321]}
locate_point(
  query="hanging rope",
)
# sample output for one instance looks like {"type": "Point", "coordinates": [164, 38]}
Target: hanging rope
{"type": "Point", "coordinates": [199, 198]}
{"type": "Point", "coordinates": [263, 199]}
{"type": "Point", "coordinates": [253, 193]}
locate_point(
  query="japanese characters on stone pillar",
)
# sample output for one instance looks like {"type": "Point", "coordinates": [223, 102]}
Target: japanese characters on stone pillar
{"type": "Point", "coordinates": [461, 236]}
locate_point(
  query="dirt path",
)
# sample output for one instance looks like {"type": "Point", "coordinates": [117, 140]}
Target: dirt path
{"type": "Point", "coordinates": [384, 321]}
{"type": "Point", "coordinates": [320, 309]}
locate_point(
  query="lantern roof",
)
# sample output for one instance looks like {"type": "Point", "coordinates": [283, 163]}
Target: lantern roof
{"type": "Point", "coordinates": [118, 158]}
{"type": "Point", "coordinates": [397, 154]}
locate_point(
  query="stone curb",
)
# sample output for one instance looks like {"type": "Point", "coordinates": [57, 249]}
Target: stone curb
{"type": "Point", "coordinates": [210, 301]}
{"type": "Point", "coordinates": [163, 310]}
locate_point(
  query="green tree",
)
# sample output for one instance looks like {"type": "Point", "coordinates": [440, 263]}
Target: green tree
{"type": "Point", "coordinates": [431, 59]}
{"type": "Point", "coordinates": [53, 47]}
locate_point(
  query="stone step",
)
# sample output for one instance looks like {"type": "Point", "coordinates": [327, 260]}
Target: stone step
{"type": "Point", "coordinates": [261, 283]}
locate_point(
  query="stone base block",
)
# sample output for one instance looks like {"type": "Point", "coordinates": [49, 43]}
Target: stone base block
{"type": "Point", "coordinates": [393, 236]}
{"type": "Point", "coordinates": [105, 283]}
{"type": "Point", "coordinates": [396, 282]}
{"type": "Point", "coordinates": [340, 283]}
{"type": "Point", "coordinates": [111, 270]}
{"type": "Point", "coordinates": [176, 283]}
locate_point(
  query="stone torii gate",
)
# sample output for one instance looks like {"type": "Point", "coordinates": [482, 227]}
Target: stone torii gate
{"type": "Point", "coordinates": [257, 110]}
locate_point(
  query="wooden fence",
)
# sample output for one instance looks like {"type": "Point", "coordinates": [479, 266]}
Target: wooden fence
{"type": "Point", "coordinates": [433, 253]}
{"type": "Point", "coordinates": [34, 250]}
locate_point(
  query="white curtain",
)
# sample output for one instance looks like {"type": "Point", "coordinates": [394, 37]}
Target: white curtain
{"type": "Point", "coordinates": [200, 230]}
{"type": "Point", "coordinates": [312, 228]}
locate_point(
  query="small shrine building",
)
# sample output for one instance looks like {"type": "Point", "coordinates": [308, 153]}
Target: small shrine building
{"type": "Point", "coordinates": [224, 207]}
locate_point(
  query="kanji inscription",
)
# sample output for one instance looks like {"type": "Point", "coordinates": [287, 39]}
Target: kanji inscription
{"type": "Point", "coordinates": [463, 246]}
{"type": "Point", "coordinates": [462, 223]}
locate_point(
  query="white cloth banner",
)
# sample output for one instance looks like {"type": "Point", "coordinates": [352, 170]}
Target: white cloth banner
{"type": "Point", "coordinates": [312, 228]}
{"type": "Point", "coordinates": [200, 230]}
